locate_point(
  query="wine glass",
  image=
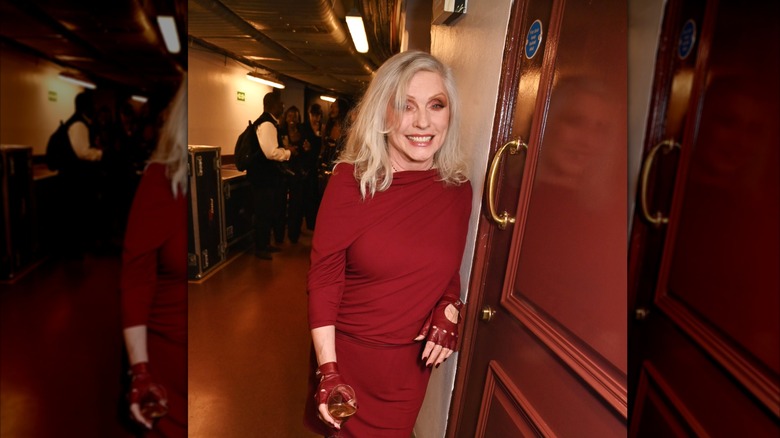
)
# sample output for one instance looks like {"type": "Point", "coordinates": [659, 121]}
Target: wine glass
{"type": "Point", "coordinates": [154, 404]}
{"type": "Point", "coordinates": [342, 403]}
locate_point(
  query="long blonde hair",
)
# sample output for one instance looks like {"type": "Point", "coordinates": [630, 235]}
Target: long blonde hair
{"type": "Point", "coordinates": [366, 144]}
{"type": "Point", "coordinates": [171, 149]}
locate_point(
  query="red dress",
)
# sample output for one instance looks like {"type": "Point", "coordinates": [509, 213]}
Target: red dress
{"type": "Point", "coordinates": [378, 268]}
{"type": "Point", "coordinates": [154, 288]}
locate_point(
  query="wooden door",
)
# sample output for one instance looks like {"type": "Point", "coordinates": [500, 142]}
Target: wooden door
{"type": "Point", "coordinates": [551, 359]}
{"type": "Point", "coordinates": [704, 255]}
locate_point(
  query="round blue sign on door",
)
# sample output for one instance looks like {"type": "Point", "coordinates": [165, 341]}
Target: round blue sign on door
{"type": "Point", "coordinates": [534, 39]}
{"type": "Point", "coordinates": [687, 39]}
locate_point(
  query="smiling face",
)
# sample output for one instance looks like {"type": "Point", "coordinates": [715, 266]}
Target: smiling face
{"type": "Point", "coordinates": [292, 117]}
{"type": "Point", "coordinates": [315, 118]}
{"type": "Point", "coordinates": [420, 132]}
{"type": "Point", "coordinates": [334, 110]}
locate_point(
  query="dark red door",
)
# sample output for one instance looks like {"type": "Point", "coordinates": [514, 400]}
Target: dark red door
{"type": "Point", "coordinates": [545, 344]}
{"type": "Point", "coordinates": [705, 251]}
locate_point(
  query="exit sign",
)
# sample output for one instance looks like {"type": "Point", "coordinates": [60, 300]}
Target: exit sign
{"type": "Point", "coordinates": [240, 95]}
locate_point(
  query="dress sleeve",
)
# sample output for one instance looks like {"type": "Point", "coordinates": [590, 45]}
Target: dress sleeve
{"type": "Point", "coordinates": [147, 228]}
{"type": "Point", "coordinates": [336, 230]}
{"type": "Point", "coordinates": [452, 292]}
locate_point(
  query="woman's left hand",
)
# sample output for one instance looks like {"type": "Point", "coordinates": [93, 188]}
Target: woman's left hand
{"type": "Point", "coordinates": [141, 386]}
{"type": "Point", "coordinates": [441, 331]}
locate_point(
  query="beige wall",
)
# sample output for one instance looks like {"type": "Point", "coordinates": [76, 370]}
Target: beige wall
{"type": "Point", "coordinates": [473, 46]}
{"type": "Point", "coordinates": [644, 28]}
{"type": "Point", "coordinates": [27, 116]}
{"type": "Point", "coordinates": [216, 117]}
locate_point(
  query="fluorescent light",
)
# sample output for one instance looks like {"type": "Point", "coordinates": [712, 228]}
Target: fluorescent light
{"type": "Point", "coordinates": [78, 81]}
{"type": "Point", "coordinates": [357, 30]}
{"type": "Point", "coordinates": [328, 98]}
{"type": "Point", "coordinates": [257, 78]}
{"type": "Point", "coordinates": [262, 58]}
{"type": "Point", "coordinates": [138, 98]}
{"type": "Point", "coordinates": [170, 36]}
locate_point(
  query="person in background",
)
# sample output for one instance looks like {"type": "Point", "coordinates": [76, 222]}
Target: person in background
{"type": "Point", "coordinates": [80, 181]}
{"type": "Point", "coordinates": [333, 139]}
{"type": "Point", "coordinates": [153, 280]}
{"type": "Point", "coordinates": [312, 144]}
{"type": "Point", "coordinates": [114, 212]}
{"type": "Point", "coordinates": [128, 163]}
{"type": "Point", "coordinates": [384, 282]}
{"type": "Point", "coordinates": [292, 135]}
{"type": "Point", "coordinates": [264, 175]}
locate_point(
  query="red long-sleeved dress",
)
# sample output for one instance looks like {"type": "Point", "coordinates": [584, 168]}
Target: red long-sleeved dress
{"type": "Point", "coordinates": [154, 289]}
{"type": "Point", "coordinates": [378, 268]}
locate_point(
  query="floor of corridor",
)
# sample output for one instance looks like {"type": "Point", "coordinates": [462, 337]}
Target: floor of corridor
{"type": "Point", "coordinates": [61, 351]}
{"type": "Point", "coordinates": [249, 346]}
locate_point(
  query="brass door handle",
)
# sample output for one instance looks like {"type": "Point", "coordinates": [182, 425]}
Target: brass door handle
{"type": "Point", "coordinates": [658, 218]}
{"type": "Point", "coordinates": [504, 218]}
{"type": "Point", "coordinates": [487, 313]}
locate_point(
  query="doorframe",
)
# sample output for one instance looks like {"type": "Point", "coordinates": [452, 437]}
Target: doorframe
{"type": "Point", "coordinates": [501, 133]}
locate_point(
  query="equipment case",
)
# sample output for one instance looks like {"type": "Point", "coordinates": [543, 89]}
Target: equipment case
{"type": "Point", "coordinates": [206, 242]}
{"type": "Point", "coordinates": [18, 210]}
{"type": "Point", "coordinates": [239, 213]}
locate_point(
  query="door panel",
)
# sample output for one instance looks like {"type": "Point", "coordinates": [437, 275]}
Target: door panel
{"type": "Point", "coordinates": [508, 412]}
{"type": "Point", "coordinates": [708, 279]}
{"type": "Point", "coordinates": [661, 409]}
{"type": "Point", "coordinates": [552, 360]}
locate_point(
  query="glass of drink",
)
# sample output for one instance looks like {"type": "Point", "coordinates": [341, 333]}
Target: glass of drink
{"type": "Point", "coordinates": [342, 403]}
{"type": "Point", "coordinates": [154, 404]}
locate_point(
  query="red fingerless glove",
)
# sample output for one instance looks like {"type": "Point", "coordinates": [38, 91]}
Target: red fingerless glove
{"type": "Point", "coordinates": [439, 329]}
{"type": "Point", "coordinates": [329, 378]}
{"type": "Point", "coordinates": [143, 390]}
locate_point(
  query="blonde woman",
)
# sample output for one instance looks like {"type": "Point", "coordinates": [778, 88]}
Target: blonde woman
{"type": "Point", "coordinates": [384, 283]}
{"type": "Point", "coordinates": [154, 281]}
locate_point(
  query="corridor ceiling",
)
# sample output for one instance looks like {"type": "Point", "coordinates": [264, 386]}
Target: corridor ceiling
{"type": "Point", "coordinates": [306, 40]}
{"type": "Point", "coordinates": [116, 42]}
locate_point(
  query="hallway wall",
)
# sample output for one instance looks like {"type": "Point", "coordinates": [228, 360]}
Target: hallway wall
{"type": "Point", "coordinates": [644, 28]}
{"type": "Point", "coordinates": [216, 117]}
{"type": "Point", "coordinates": [34, 99]}
{"type": "Point", "coordinates": [473, 46]}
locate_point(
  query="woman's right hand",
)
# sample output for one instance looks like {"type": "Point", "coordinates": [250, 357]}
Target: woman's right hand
{"type": "Point", "coordinates": [441, 331]}
{"type": "Point", "coordinates": [329, 378]}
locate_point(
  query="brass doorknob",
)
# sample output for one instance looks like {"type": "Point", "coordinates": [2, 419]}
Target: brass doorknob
{"type": "Point", "coordinates": [501, 219]}
{"type": "Point", "coordinates": [658, 218]}
{"type": "Point", "coordinates": [487, 314]}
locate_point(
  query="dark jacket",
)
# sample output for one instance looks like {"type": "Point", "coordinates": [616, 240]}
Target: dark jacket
{"type": "Point", "coordinates": [262, 171]}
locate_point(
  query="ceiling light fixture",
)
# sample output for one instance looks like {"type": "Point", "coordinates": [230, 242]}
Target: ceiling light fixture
{"type": "Point", "coordinates": [170, 35]}
{"type": "Point", "coordinates": [357, 30]}
{"type": "Point", "coordinates": [262, 58]}
{"type": "Point", "coordinates": [74, 79]}
{"type": "Point", "coordinates": [328, 98]}
{"type": "Point", "coordinates": [252, 76]}
{"type": "Point", "coordinates": [139, 98]}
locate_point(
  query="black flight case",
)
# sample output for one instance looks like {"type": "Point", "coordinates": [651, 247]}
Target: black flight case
{"type": "Point", "coordinates": [206, 243]}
